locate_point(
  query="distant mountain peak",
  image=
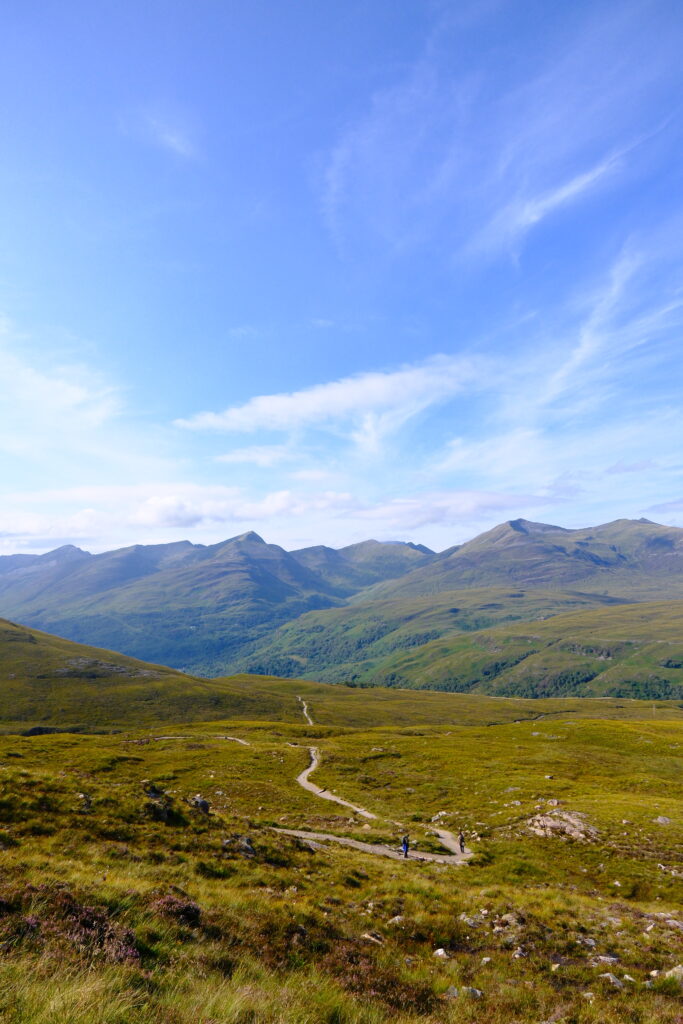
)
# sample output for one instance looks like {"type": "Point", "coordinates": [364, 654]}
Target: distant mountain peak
{"type": "Point", "coordinates": [68, 551]}
{"type": "Point", "coordinates": [250, 537]}
{"type": "Point", "coordinates": [526, 526]}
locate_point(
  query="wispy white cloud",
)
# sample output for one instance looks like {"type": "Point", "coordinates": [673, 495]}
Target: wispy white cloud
{"type": "Point", "coordinates": [242, 331]}
{"type": "Point", "coordinates": [45, 406]}
{"type": "Point", "coordinates": [441, 152]}
{"type": "Point", "coordinates": [171, 137]}
{"type": "Point", "coordinates": [372, 405]}
{"type": "Point", "coordinates": [630, 467]}
{"type": "Point", "coordinates": [509, 225]}
{"type": "Point", "coordinates": [163, 126]}
{"type": "Point", "coordinates": [263, 456]}
{"type": "Point", "coordinates": [598, 328]}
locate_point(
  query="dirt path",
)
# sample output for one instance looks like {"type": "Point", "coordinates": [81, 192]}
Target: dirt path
{"type": "Point", "coordinates": [204, 736]}
{"type": "Point", "coordinates": [303, 780]}
{"type": "Point", "coordinates": [304, 709]}
{"type": "Point", "coordinates": [377, 849]}
{"type": "Point", "coordinates": [446, 838]}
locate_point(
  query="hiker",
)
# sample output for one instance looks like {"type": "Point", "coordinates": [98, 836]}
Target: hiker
{"type": "Point", "coordinates": [405, 844]}
{"type": "Point", "coordinates": [461, 840]}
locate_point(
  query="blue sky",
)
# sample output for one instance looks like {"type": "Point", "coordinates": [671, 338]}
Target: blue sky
{"type": "Point", "coordinates": [338, 270]}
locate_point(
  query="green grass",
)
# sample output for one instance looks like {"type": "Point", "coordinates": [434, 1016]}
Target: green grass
{"type": "Point", "coordinates": [121, 903]}
{"type": "Point", "coordinates": [110, 914]}
{"type": "Point", "coordinates": [46, 682]}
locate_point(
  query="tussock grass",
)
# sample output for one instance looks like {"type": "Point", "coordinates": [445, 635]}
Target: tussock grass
{"type": "Point", "coordinates": [114, 911]}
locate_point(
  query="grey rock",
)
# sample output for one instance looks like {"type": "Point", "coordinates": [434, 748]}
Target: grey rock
{"type": "Point", "coordinates": [676, 973]}
{"type": "Point", "coordinates": [242, 845]}
{"type": "Point", "coordinates": [662, 820]}
{"type": "Point", "coordinates": [473, 993]}
{"type": "Point", "coordinates": [199, 803]}
{"type": "Point", "coordinates": [612, 979]}
{"type": "Point", "coordinates": [563, 825]}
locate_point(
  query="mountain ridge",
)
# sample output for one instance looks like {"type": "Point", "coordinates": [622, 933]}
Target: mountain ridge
{"type": "Point", "coordinates": [214, 609]}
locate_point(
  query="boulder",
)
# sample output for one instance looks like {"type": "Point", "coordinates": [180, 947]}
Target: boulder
{"type": "Point", "coordinates": [241, 845]}
{"type": "Point", "coordinates": [199, 803]}
{"type": "Point", "coordinates": [562, 824]}
{"type": "Point", "coordinates": [676, 973]}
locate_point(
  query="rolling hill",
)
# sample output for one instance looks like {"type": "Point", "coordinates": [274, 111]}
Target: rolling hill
{"type": "Point", "coordinates": [633, 651]}
{"type": "Point", "coordinates": [47, 682]}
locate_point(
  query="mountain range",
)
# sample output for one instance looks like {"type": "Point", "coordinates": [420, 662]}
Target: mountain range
{"type": "Point", "coordinates": [370, 613]}
{"type": "Point", "coordinates": [189, 605]}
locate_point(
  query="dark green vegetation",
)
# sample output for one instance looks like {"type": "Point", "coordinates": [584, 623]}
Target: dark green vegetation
{"type": "Point", "coordinates": [631, 650]}
{"type": "Point", "coordinates": [121, 903]}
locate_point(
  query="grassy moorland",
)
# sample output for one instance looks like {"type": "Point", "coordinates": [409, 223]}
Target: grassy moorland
{"type": "Point", "coordinates": [50, 683]}
{"type": "Point", "coordinates": [120, 903]}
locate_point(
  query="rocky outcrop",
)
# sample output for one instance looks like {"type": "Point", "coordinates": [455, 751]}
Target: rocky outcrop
{"type": "Point", "coordinates": [562, 825]}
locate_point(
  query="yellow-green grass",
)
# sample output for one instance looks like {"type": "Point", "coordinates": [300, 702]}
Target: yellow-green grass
{"type": "Point", "coordinates": [111, 915]}
{"type": "Point", "coordinates": [47, 682]}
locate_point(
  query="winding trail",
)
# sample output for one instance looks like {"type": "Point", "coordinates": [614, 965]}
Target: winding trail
{"type": "Point", "coordinates": [446, 838]}
{"type": "Point", "coordinates": [303, 780]}
{"type": "Point", "coordinates": [204, 736]}
{"type": "Point", "coordinates": [304, 709]}
{"type": "Point", "coordinates": [377, 849]}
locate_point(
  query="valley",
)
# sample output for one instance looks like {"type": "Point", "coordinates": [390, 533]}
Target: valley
{"type": "Point", "coordinates": [177, 848]}
{"type": "Point", "coordinates": [389, 614]}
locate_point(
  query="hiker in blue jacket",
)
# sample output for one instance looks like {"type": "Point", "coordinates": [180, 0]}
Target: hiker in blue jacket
{"type": "Point", "coordinates": [405, 845]}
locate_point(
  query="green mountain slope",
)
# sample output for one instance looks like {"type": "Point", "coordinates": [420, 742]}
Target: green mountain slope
{"type": "Point", "coordinates": [631, 651]}
{"type": "Point", "coordinates": [626, 558]}
{"type": "Point", "coordinates": [188, 605]}
{"type": "Point", "coordinates": [354, 643]}
{"type": "Point", "coordinates": [49, 682]}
